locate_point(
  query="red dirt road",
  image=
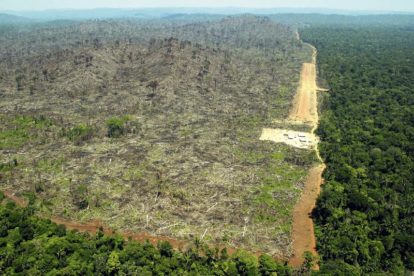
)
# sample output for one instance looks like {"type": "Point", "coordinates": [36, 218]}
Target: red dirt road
{"type": "Point", "coordinates": [18, 200]}
{"type": "Point", "coordinates": [302, 229]}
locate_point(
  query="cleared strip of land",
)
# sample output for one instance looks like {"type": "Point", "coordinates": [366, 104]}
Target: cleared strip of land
{"type": "Point", "coordinates": [304, 108]}
{"type": "Point", "coordinates": [303, 234]}
{"type": "Point", "coordinates": [304, 111]}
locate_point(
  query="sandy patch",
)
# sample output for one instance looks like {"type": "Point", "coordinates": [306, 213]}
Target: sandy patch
{"type": "Point", "coordinates": [297, 139]}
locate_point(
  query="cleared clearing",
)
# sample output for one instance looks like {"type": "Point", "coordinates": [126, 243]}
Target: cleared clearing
{"type": "Point", "coordinates": [297, 139]}
{"type": "Point", "coordinates": [158, 134]}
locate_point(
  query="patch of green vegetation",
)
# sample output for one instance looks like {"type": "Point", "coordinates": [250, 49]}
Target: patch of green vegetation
{"type": "Point", "coordinates": [133, 173]}
{"type": "Point", "coordinates": [117, 126]}
{"type": "Point", "coordinates": [248, 127]}
{"type": "Point", "coordinates": [13, 139]}
{"type": "Point", "coordinates": [276, 195]}
{"type": "Point", "coordinates": [6, 167]}
{"type": "Point", "coordinates": [51, 165]}
{"type": "Point", "coordinates": [250, 157]}
{"type": "Point", "coordinates": [16, 131]}
{"type": "Point", "coordinates": [79, 133]}
{"type": "Point", "coordinates": [80, 195]}
{"type": "Point", "coordinates": [280, 102]}
{"type": "Point", "coordinates": [250, 121]}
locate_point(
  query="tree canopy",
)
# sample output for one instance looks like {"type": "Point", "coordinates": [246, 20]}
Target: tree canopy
{"type": "Point", "coordinates": [364, 215]}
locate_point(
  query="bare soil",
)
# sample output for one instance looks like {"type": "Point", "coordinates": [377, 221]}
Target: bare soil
{"type": "Point", "coordinates": [297, 139]}
{"type": "Point", "coordinates": [305, 103]}
{"type": "Point", "coordinates": [303, 231]}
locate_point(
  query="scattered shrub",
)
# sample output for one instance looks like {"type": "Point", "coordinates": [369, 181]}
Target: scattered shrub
{"type": "Point", "coordinates": [80, 133]}
{"type": "Point", "coordinates": [117, 126]}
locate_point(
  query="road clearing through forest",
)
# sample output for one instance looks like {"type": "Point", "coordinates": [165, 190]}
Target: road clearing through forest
{"type": "Point", "coordinates": [304, 111]}
{"type": "Point", "coordinates": [304, 108]}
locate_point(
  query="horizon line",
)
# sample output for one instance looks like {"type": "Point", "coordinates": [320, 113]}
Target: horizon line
{"type": "Point", "coordinates": [207, 7]}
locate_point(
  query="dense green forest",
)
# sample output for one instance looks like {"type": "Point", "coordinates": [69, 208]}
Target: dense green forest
{"type": "Point", "coordinates": [30, 245]}
{"type": "Point", "coordinates": [364, 216]}
{"type": "Point", "coordinates": [344, 21]}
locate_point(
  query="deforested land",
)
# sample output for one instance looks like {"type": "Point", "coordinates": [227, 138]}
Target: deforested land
{"type": "Point", "coordinates": [154, 126]}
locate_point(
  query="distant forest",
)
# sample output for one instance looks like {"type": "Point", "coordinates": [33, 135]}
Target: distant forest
{"type": "Point", "coordinates": [365, 214]}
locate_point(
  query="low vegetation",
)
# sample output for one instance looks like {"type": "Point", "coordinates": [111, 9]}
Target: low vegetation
{"type": "Point", "coordinates": [79, 133]}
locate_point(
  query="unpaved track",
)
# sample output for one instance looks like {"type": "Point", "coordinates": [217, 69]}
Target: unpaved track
{"type": "Point", "coordinates": [305, 110]}
{"type": "Point", "coordinates": [302, 229]}
{"type": "Point", "coordinates": [19, 201]}
{"type": "Point", "coordinates": [94, 226]}
{"type": "Point", "coordinates": [304, 107]}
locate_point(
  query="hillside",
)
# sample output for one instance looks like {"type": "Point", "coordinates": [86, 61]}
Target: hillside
{"type": "Point", "coordinates": [6, 19]}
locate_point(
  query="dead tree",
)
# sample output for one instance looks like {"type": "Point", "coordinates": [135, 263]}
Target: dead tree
{"type": "Point", "coordinates": [153, 85]}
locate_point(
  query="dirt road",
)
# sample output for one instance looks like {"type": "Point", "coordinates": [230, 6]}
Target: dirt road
{"type": "Point", "coordinates": [19, 201]}
{"type": "Point", "coordinates": [96, 225]}
{"type": "Point", "coordinates": [304, 111]}
{"type": "Point", "coordinates": [304, 108]}
{"type": "Point", "coordinates": [302, 229]}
